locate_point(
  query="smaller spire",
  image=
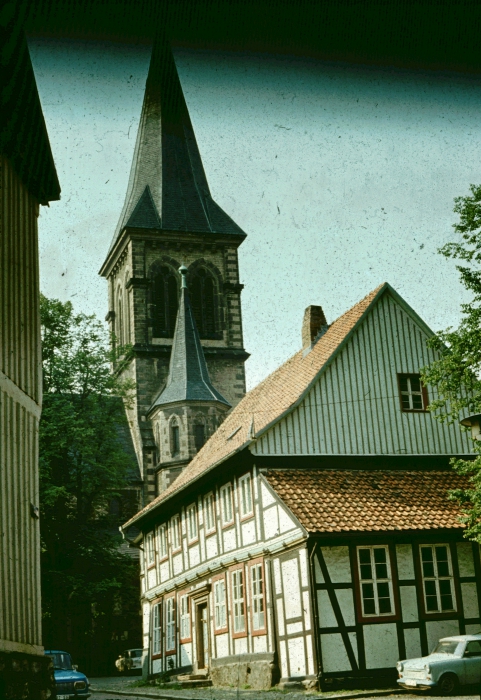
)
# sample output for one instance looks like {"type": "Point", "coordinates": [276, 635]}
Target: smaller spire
{"type": "Point", "coordinates": [188, 378]}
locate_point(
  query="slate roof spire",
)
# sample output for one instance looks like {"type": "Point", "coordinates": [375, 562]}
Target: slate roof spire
{"type": "Point", "coordinates": [167, 162]}
{"type": "Point", "coordinates": [188, 378]}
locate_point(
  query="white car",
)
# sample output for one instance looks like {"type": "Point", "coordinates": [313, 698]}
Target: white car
{"type": "Point", "coordinates": [455, 661]}
{"type": "Point", "coordinates": [129, 660]}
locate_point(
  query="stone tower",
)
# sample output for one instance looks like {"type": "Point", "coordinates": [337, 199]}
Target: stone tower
{"type": "Point", "coordinates": [169, 218]}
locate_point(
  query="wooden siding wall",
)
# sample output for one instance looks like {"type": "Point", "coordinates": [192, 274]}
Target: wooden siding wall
{"type": "Point", "coordinates": [354, 408]}
{"type": "Point", "coordinates": [20, 398]}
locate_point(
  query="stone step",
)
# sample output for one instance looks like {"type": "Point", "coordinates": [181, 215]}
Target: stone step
{"type": "Point", "coordinates": [197, 682]}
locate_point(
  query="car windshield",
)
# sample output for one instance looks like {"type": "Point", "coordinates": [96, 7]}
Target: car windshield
{"type": "Point", "coordinates": [136, 653]}
{"type": "Point", "coordinates": [446, 647]}
{"type": "Point", "coordinates": [61, 661]}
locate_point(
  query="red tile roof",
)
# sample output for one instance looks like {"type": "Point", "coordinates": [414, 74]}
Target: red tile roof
{"type": "Point", "coordinates": [366, 501]}
{"type": "Point", "coordinates": [268, 401]}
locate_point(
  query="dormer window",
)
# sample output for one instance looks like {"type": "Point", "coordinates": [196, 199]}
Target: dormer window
{"type": "Point", "coordinates": [412, 393]}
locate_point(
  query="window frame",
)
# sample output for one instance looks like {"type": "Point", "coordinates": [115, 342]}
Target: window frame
{"type": "Point", "coordinates": [150, 550]}
{"type": "Point", "coordinates": [245, 479]}
{"type": "Point", "coordinates": [174, 425]}
{"type": "Point", "coordinates": [216, 580]}
{"type": "Point", "coordinates": [157, 638]}
{"type": "Point", "coordinates": [192, 509]}
{"type": "Point", "coordinates": [163, 539]}
{"type": "Point", "coordinates": [259, 564]}
{"type": "Point", "coordinates": [222, 490]}
{"type": "Point", "coordinates": [233, 572]}
{"type": "Point", "coordinates": [437, 614]}
{"type": "Point", "coordinates": [184, 595]}
{"type": "Point", "coordinates": [175, 529]}
{"type": "Point", "coordinates": [424, 393]}
{"type": "Point", "coordinates": [211, 530]}
{"type": "Point", "coordinates": [394, 593]}
{"type": "Point", "coordinates": [169, 624]}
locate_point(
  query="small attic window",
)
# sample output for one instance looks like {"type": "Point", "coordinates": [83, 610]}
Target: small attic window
{"type": "Point", "coordinates": [412, 393]}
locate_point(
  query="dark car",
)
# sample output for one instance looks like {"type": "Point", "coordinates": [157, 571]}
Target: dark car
{"type": "Point", "coordinates": [69, 682]}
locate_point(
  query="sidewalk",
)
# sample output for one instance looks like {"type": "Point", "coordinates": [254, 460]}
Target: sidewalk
{"type": "Point", "coordinates": [131, 687]}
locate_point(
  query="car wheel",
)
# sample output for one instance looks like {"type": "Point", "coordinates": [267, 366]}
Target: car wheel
{"type": "Point", "coordinates": [448, 683]}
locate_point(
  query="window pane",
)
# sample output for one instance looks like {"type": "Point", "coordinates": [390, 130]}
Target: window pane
{"type": "Point", "coordinates": [379, 555]}
{"type": "Point", "coordinates": [366, 571]}
{"type": "Point", "coordinates": [403, 383]}
{"type": "Point", "coordinates": [199, 436]}
{"type": "Point", "coordinates": [364, 556]}
{"type": "Point", "coordinates": [381, 571]}
{"type": "Point", "coordinates": [431, 597]}
{"type": "Point", "coordinates": [415, 383]}
{"type": "Point", "coordinates": [442, 561]}
{"type": "Point", "coordinates": [417, 402]}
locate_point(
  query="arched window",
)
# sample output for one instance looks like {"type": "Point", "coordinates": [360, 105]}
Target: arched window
{"type": "Point", "coordinates": [199, 435]}
{"type": "Point", "coordinates": [120, 324]}
{"type": "Point", "coordinates": [165, 298]}
{"type": "Point", "coordinates": [174, 437]}
{"type": "Point", "coordinates": [204, 304]}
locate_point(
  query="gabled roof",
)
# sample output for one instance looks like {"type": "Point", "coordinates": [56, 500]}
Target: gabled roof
{"type": "Point", "coordinates": [278, 394]}
{"type": "Point", "coordinates": [367, 501]}
{"type": "Point", "coordinates": [167, 161]}
{"type": "Point", "coordinates": [188, 378]}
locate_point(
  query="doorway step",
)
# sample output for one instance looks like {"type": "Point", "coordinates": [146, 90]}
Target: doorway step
{"type": "Point", "coordinates": [194, 680]}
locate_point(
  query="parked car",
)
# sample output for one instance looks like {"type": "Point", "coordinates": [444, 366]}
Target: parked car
{"type": "Point", "coordinates": [129, 660]}
{"type": "Point", "coordinates": [69, 682]}
{"type": "Point", "coordinates": [455, 661]}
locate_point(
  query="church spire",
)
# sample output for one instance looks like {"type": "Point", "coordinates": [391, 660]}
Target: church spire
{"type": "Point", "coordinates": [167, 187]}
{"type": "Point", "coordinates": [188, 378]}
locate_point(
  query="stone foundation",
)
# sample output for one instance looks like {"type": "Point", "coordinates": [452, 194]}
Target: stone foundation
{"type": "Point", "coordinates": [26, 676]}
{"type": "Point", "coordinates": [258, 671]}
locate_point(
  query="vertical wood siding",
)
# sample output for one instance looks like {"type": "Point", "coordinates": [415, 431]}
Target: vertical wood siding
{"type": "Point", "coordinates": [354, 407]}
{"type": "Point", "coordinates": [20, 396]}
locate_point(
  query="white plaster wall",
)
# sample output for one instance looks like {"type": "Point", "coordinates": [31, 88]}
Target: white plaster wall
{"type": "Point", "coordinates": [240, 645]}
{"type": "Point", "coordinates": [222, 645]}
{"type": "Point", "coordinates": [151, 578]}
{"type": "Point", "coordinates": [286, 523]}
{"type": "Point", "coordinates": [309, 655]}
{"type": "Point", "coordinates": [333, 651]}
{"type": "Point", "coordinates": [211, 546]}
{"type": "Point", "coordinates": [229, 539]}
{"type": "Point", "coordinates": [345, 599]}
{"type": "Point", "coordinates": [338, 564]}
{"type": "Point", "coordinates": [248, 532]}
{"type": "Point", "coordinates": [409, 607]}
{"type": "Point", "coordinates": [465, 558]}
{"type": "Point", "coordinates": [283, 655]}
{"type": "Point", "coordinates": [306, 604]}
{"type": "Point", "coordinates": [277, 576]}
{"type": "Point", "coordinates": [412, 640]}
{"type": "Point", "coordinates": [194, 555]}
{"type": "Point", "coordinates": [297, 657]}
{"type": "Point", "coordinates": [381, 646]}
{"type": "Point", "coordinates": [326, 613]}
{"type": "Point", "coordinates": [267, 497]}
{"type": "Point", "coordinates": [317, 571]}
{"type": "Point", "coordinates": [157, 666]}
{"type": "Point", "coordinates": [470, 600]}
{"type": "Point", "coordinates": [146, 618]}
{"type": "Point", "coordinates": [271, 522]}
{"type": "Point", "coordinates": [290, 580]}
{"type": "Point", "coordinates": [405, 563]}
{"type": "Point", "coordinates": [164, 571]}
{"type": "Point", "coordinates": [437, 629]}
{"type": "Point", "coordinates": [303, 567]}
{"type": "Point", "coordinates": [280, 617]}
{"type": "Point", "coordinates": [177, 564]}
{"type": "Point", "coordinates": [472, 629]}
{"type": "Point", "coordinates": [294, 628]}
{"type": "Point", "coordinates": [186, 654]}
{"type": "Point", "coordinates": [260, 644]}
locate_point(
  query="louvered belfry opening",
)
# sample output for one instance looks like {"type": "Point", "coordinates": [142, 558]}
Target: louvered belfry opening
{"type": "Point", "coordinates": [203, 300]}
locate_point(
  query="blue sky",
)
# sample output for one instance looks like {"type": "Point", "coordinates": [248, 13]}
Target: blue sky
{"type": "Point", "coordinates": [342, 176]}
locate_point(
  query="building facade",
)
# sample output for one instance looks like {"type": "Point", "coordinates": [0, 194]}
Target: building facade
{"type": "Point", "coordinates": [311, 540]}
{"type": "Point", "coordinates": [27, 180]}
{"type": "Point", "coordinates": [169, 219]}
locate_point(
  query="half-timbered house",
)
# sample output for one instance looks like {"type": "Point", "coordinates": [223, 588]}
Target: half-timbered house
{"type": "Point", "coordinates": [311, 538]}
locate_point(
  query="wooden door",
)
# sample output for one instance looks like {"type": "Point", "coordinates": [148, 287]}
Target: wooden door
{"type": "Point", "coordinates": [202, 627]}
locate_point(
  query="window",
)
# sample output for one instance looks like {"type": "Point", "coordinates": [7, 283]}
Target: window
{"type": "Point", "coordinates": [238, 600]}
{"type": "Point", "coordinates": [375, 581]}
{"type": "Point", "coordinates": [437, 578]}
{"type": "Point", "coordinates": [192, 522]}
{"type": "Point", "coordinates": [150, 549]}
{"type": "Point", "coordinates": [175, 532]}
{"type": "Point", "coordinates": [163, 541]}
{"type": "Point", "coordinates": [220, 610]}
{"type": "Point", "coordinates": [203, 300]}
{"type": "Point", "coordinates": [257, 592]}
{"type": "Point", "coordinates": [169, 624]}
{"type": "Point", "coordinates": [174, 437]}
{"type": "Point", "coordinates": [165, 302]}
{"type": "Point", "coordinates": [184, 617]}
{"type": "Point", "coordinates": [209, 514]}
{"type": "Point", "coordinates": [412, 393]}
{"type": "Point", "coordinates": [245, 495]}
{"type": "Point", "coordinates": [226, 504]}
{"type": "Point", "coordinates": [156, 630]}
{"type": "Point", "coordinates": [199, 436]}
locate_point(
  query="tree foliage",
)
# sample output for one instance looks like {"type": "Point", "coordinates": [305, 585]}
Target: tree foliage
{"type": "Point", "coordinates": [457, 373]}
{"type": "Point", "coordinates": [83, 468]}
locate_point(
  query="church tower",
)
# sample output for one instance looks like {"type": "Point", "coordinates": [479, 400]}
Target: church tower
{"type": "Point", "coordinates": [169, 218]}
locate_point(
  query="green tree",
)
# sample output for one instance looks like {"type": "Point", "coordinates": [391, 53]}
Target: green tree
{"type": "Point", "coordinates": [457, 372]}
{"type": "Point", "coordinates": [83, 470]}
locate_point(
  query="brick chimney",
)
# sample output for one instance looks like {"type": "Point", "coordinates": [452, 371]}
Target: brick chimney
{"type": "Point", "coordinates": [313, 322]}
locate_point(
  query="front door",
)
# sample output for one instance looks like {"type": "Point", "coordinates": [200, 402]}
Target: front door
{"type": "Point", "coordinates": [202, 627]}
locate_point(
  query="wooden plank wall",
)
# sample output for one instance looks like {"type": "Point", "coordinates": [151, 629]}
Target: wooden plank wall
{"type": "Point", "coordinates": [354, 407]}
{"type": "Point", "coordinates": [20, 400]}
